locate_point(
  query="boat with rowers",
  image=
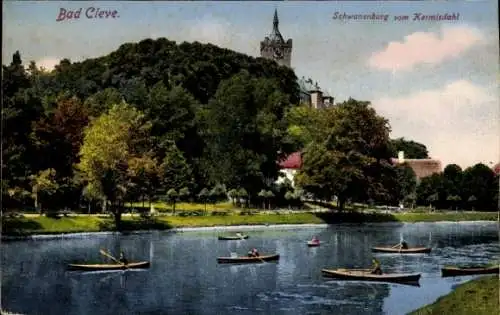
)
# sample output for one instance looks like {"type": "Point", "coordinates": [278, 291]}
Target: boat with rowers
{"type": "Point", "coordinates": [247, 259]}
{"type": "Point", "coordinates": [453, 271]}
{"type": "Point", "coordinates": [367, 275]}
{"type": "Point", "coordinates": [98, 267]}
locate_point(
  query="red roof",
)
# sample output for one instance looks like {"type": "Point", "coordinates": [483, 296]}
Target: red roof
{"type": "Point", "coordinates": [496, 169]}
{"type": "Point", "coordinates": [293, 161]}
{"type": "Point", "coordinates": [422, 167]}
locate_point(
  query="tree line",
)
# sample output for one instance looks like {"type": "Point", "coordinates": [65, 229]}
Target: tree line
{"type": "Point", "coordinates": [156, 120]}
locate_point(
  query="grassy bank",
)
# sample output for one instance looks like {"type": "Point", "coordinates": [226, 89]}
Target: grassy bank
{"type": "Point", "coordinates": [478, 297]}
{"type": "Point", "coordinates": [34, 224]}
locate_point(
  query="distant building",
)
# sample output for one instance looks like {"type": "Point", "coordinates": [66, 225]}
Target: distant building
{"type": "Point", "coordinates": [496, 169]}
{"type": "Point", "coordinates": [274, 47]}
{"type": "Point", "coordinates": [289, 167]}
{"type": "Point", "coordinates": [421, 167]}
{"type": "Point", "coordinates": [312, 95]}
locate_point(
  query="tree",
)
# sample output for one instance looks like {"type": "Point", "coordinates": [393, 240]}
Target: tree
{"type": "Point", "coordinates": [233, 194]}
{"type": "Point", "coordinates": [110, 142]}
{"type": "Point", "coordinates": [406, 180]}
{"type": "Point", "coordinates": [176, 173]}
{"type": "Point", "coordinates": [203, 195]}
{"type": "Point", "coordinates": [479, 181]}
{"type": "Point", "coordinates": [172, 197]}
{"type": "Point", "coordinates": [432, 198]}
{"type": "Point", "coordinates": [143, 172]}
{"type": "Point", "coordinates": [245, 131]}
{"type": "Point", "coordinates": [184, 194]}
{"type": "Point", "coordinates": [411, 149]}
{"type": "Point", "coordinates": [59, 136]}
{"type": "Point", "coordinates": [453, 199]}
{"type": "Point", "coordinates": [43, 185]}
{"type": "Point", "coordinates": [243, 194]}
{"type": "Point", "coordinates": [350, 162]}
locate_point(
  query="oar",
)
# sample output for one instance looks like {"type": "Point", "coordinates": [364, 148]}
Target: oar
{"type": "Point", "coordinates": [103, 252]}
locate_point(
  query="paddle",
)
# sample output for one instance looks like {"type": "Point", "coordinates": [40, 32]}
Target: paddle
{"type": "Point", "coordinates": [103, 252]}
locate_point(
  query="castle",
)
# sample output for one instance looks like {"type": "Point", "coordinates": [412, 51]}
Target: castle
{"type": "Point", "coordinates": [274, 47]}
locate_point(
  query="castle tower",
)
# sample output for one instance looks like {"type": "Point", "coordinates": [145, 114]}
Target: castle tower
{"type": "Point", "coordinates": [274, 46]}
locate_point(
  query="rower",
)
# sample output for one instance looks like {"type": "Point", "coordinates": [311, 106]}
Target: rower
{"type": "Point", "coordinates": [376, 267]}
{"type": "Point", "coordinates": [123, 260]}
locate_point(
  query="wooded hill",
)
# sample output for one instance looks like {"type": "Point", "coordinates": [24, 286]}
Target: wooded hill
{"type": "Point", "coordinates": [156, 119]}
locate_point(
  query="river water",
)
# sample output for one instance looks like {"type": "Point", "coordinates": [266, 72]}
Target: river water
{"type": "Point", "coordinates": [185, 278]}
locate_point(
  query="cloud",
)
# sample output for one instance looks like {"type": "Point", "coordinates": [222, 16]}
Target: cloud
{"type": "Point", "coordinates": [457, 122]}
{"type": "Point", "coordinates": [425, 48]}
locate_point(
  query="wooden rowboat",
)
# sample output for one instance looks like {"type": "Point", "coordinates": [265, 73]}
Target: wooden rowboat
{"type": "Point", "coordinates": [96, 267]}
{"type": "Point", "coordinates": [414, 250]}
{"type": "Point", "coordinates": [365, 274]}
{"type": "Point", "coordinates": [313, 244]}
{"type": "Point", "coordinates": [246, 259]}
{"type": "Point", "coordinates": [465, 271]}
{"type": "Point", "coordinates": [232, 238]}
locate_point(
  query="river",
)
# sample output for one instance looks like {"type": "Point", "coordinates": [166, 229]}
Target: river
{"type": "Point", "coordinates": [185, 278]}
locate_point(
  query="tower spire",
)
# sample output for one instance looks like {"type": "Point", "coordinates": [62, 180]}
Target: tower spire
{"type": "Point", "coordinates": [275, 20]}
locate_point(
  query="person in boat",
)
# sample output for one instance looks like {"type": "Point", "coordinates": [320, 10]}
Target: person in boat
{"type": "Point", "coordinates": [123, 259]}
{"type": "Point", "coordinates": [315, 240]}
{"type": "Point", "coordinates": [402, 244]}
{"type": "Point", "coordinates": [376, 267]}
{"type": "Point", "coordinates": [253, 253]}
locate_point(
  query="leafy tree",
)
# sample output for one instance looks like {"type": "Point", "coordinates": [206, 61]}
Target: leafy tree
{"type": "Point", "coordinates": [217, 193]}
{"type": "Point", "coordinates": [176, 173]}
{"type": "Point", "coordinates": [233, 194]}
{"type": "Point", "coordinates": [407, 181]}
{"type": "Point", "coordinates": [243, 194]}
{"type": "Point", "coordinates": [184, 194]}
{"type": "Point", "coordinates": [203, 195]}
{"type": "Point", "coordinates": [59, 136]}
{"type": "Point", "coordinates": [110, 142]}
{"type": "Point", "coordinates": [263, 195]}
{"type": "Point", "coordinates": [432, 198]}
{"type": "Point", "coordinates": [102, 101]}
{"type": "Point", "coordinates": [411, 149]}
{"type": "Point", "coordinates": [454, 199]}
{"type": "Point", "coordinates": [245, 132]}
{"type": "Point", "coordinates": [172, 197]}
{"type": "Point", "coordinates": [43, 185]}
{"type": "Point", "coordinates": [479, 181]}
{"type": "Point", "coordinates": [143, 172]}
{"type": "Point", "coordinates": [349, 163]}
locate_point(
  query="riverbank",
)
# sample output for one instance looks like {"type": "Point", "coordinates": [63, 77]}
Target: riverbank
{"type": "Point", "coordinates": [31, 225]}
{"type": "Point", "coordinates": [479, 297]}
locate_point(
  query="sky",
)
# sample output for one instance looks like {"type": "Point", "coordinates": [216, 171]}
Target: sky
{"type": "Point", "coordinates": [437, 82]}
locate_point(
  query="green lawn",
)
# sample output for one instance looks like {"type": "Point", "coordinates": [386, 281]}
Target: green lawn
{"type": "Point", "coordinates": [35, 224]}
{"type": "Point", "coordinates": [476, 297]}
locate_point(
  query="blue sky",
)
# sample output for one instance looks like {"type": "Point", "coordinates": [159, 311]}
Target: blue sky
{"type": "Point", "coordinates": [436, 82]}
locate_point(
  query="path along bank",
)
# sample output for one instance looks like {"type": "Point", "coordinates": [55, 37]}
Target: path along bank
{"type": "Point", "coordinates": [15, 227]}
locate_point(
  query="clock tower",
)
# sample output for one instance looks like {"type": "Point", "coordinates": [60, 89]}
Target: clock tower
{"type": "Point", "coordinates": [274, 46]}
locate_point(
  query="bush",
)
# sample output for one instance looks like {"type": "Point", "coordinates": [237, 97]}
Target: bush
{"type": "Point", "coordinates": [220, 213]}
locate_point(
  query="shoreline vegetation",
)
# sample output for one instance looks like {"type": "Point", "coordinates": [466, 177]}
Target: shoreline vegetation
{"type": "Point", "coordinates": [479, 296]}
{"type": "Point", "coordinates": [18, 225]}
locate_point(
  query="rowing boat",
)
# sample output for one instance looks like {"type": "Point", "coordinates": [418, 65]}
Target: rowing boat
{"type": "Point", "coordinates": [313, 243]}
{"type": "Point", "coordinates": [465, 271]}
{"type": "Point", "coordinates": [95, 267]}
{"type": "Point", "coordinates": [365, 274]}
{"type": "Point", "coordinates": [246, 259]}
{"type": "Point", "coordinates": [232, 238]}
{"type": "Point", "coordinates": [414, 250]}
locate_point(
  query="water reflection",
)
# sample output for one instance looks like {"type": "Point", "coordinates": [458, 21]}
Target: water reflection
{"type": "Point", "coordinates": [185, 277]}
